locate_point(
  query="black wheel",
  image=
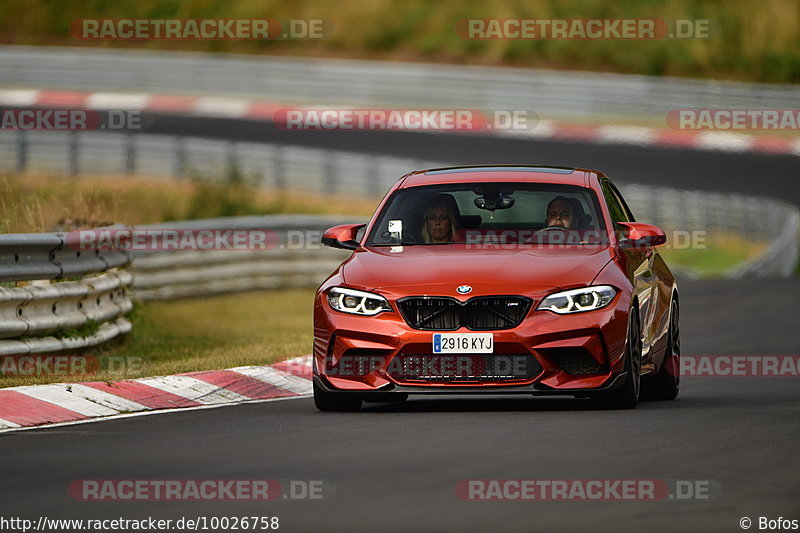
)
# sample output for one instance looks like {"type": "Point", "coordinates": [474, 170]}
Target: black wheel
{"type": "Point", "coordinates": [666, 384]}
{"type": "Point", "coordinates": [627, 396]}
{"type": "Point", "coordinates": [332, 401]}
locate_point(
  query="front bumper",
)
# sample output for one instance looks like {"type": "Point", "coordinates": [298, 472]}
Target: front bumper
{"type": "Point", "coordinates": [579, 354]}
{"type": "Point", "coordinates": [534, 389]}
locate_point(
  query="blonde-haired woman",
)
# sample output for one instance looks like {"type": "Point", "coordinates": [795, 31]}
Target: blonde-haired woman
{"type": "Point", "coordinates": [440, 224]}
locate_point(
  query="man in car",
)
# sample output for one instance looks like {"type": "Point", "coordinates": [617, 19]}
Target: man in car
{"type": "Point", "coordinates": [561, 212]}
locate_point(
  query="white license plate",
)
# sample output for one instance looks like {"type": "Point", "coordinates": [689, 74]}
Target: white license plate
{"type": "Point", "coordinates": [463, 342]}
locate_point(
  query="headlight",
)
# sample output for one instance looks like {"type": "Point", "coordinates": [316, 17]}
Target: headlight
{"type": "Point", "coordinates": [357, 302]}
{"type": "Point", "coordinates": [578, 300]}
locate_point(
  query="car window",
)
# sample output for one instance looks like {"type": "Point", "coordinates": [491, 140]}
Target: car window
{"type": "Point", "coordinates": [615, 207]}
{"type": "Point", "coordinates": [623, 203]}
{"type": "Point", "coordinates": [481, 208]}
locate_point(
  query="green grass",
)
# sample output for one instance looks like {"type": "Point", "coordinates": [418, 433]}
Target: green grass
{"type": "Point", "coordinates": [722, 253]}
{"type": "Point", "coordinates": [754, 40]}
{"type": "Point", "coordinates": [40, 202]}
{"type": "Point", "coordinates": [203, 334]}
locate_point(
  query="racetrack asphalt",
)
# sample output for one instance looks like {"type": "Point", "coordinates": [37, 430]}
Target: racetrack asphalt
{"type": "Point", "coordinates": [395, 467]}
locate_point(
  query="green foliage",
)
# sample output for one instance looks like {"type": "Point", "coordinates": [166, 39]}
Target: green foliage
{"type": "Point", "coordinates": [88, 329]}
{"type": "Point", "coordinates": [233, 195]}
{"type": "Point", "coordinates": [751, 40]}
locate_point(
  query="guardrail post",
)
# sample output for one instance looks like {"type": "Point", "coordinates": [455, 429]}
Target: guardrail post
{"type": "Point", "coordinates": [72, 154]}
{"type": "Point", "coordinates": [279, 167]}
{"type": "Point", "coordinates": [373, 184]}
{"type": "Point", "coordinates": [231, 160]}
{"type": "Point", "coordinates": [22, 151]}
{"type": "Point", "coordinates": [329, 164]}
{"type": "Point", "coordinates": [130, 154]}
{"type": "Point", "coordinates": [179, 158]}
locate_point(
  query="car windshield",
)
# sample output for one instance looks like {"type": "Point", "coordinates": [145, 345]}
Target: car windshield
{"type": "Point", "coordinates": [489, 212]}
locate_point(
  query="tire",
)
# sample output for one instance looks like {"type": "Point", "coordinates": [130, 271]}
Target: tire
{"type": "Point", "coordinates": [627, 396]}
{"type": "Point", "coordinates": [666, 384]}
{"type": "Point", "coordinates": [332, 401]}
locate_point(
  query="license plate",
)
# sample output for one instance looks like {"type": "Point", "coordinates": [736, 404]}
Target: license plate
{"type": "Point", "coordinates": [463, 343]}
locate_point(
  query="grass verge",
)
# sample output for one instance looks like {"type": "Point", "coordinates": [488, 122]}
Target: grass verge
{"type": "Point", "coordinates": [722, 252]}
{"type": "Point", "coordinates": [202, 334]}
{"type": "Point", "coordinates": [40, 202]}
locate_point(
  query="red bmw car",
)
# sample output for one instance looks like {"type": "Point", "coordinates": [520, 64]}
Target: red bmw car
{"type": "Point", "coordinates": [498, 280]}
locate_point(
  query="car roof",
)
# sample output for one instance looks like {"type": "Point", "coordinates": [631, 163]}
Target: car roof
{"type": "Point", "coordinates": [497, 173]}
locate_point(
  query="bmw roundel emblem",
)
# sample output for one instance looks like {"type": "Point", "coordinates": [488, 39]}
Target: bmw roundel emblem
{"type": "Point", "coordinates": [464, 289]}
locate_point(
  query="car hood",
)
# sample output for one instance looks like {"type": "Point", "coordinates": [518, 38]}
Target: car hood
{"type": "Point", "coordinates": [441, 269]}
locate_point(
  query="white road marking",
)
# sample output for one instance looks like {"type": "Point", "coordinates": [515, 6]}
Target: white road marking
{"type": "Point", "coordinates": [221, 107]}
{"type": "Point", "coordinates": [59, 394]}
{"type": "Point", "coordinates": [724, 141]}
{"type": "Point", "coordinates": [626, 134]}
{"type": "Point", "coordinates": [19, 97]}
{"type": "Point", "coordinates": [193, 389]}
{"type": "Point", "coordinates": [118, 100]}
{"type": "Point", "coordinates": [146, 413]}
{"type": "Point", "coordinates": [276, 377]}
{"type": "Point", "coordinates": [5, 424]}
{"type": "Point", "coordinates": [107, 399]}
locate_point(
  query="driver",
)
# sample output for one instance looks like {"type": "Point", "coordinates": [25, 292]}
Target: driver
{"type": "Point", "coordinates": [561, 213]}
{"type": "Point", "coordinates": [440, 224]}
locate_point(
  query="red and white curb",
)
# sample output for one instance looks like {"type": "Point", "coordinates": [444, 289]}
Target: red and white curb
{"type": "Point", "coordinates": [223, 107]}
{"type": "Point", "coordinates": [58, 403]}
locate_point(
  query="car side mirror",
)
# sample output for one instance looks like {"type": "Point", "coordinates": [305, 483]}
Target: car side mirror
{"type": "Point", "coordinates": [637, 235]}
{"type": "Point", "coordinates": [343, 236]}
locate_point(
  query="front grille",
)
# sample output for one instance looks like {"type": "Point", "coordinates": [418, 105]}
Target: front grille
{"type": "Point", "coordinates": [463, 368]}
{"type": "Point", "coordinates": [479, 313]}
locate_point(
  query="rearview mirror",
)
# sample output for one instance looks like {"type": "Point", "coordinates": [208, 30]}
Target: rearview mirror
{"type": "Point", "coordinates": [639, 235]}
{"type": "Point", "coordinates": [343, 236]}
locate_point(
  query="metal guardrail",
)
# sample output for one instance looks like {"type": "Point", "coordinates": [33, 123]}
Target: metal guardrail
{"type": "Point", "coordinates": [296, 258]}
{"type": "Point", "coordinates": [762, 220]}
{"type": "Point", "coordinates": [35, 318]}
{"type": "Point", "coordinates": [379, 83]}
{"type": "Point", "coordinates": [36, 256]}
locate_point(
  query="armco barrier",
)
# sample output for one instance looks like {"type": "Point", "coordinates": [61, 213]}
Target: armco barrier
{"type": "Point", "coordinates": [296, 259]}
{"type": "Point", "coordinates": [89, 288]}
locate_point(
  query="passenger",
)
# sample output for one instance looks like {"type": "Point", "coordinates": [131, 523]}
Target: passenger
{"type": "Point", "coordinates": [561, 213]}
{"type": "Point", "coordinates": [440, 225]}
